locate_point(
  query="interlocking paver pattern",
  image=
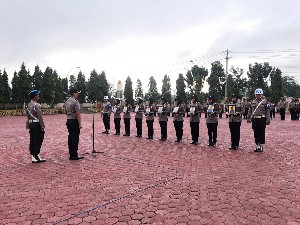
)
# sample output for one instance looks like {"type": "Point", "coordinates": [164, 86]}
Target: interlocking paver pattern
{"type": "Point", "coordinates": [140, 181]}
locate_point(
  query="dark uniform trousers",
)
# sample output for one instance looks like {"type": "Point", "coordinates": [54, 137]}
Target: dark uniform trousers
{"type": "Point", "coordinates": [73, 138]}
{"type": "Point", "coordinates": [212, 129]}
{"type": "Point", "coordinates": [272, 113]}
{"type": "Point", "coordinates": [150, 127]}
{"type": "Point", "coordinates": [235, 131]}
{"type": "Point", "coordinates": [282, 113]}
{"type": "Point", "coordinates": [117, 122]}
{"type": "Point", "coordinates": [106, 121]}
{"type": "Point", "coordinates": [127, 125]}
{"type": "Point", "coordinates": [178, 128]}
{"type": "Point", "coordinates": [36, 138]}
{"type": "Point", "coordinates": [246, 113]}
{"type": "Point", "coordinates": [259, 128]}
{"type": "Point", "coordinates": [293, 114]}
{"type": "Point", "coordinates": [138, 124]}
{"type": "Point", "coordinates": [194, 131]}
{"type": "Point", "coordinates": [163, 129]}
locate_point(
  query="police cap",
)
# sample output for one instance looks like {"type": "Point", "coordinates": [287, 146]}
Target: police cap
{"type": "Point", "coordinates": [33, 93]}
{"type": "Point", "coordinates": [73, 91]}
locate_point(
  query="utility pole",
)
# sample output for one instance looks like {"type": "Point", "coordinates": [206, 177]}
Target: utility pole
{"type": "Point", "coordinates": [226, 73]}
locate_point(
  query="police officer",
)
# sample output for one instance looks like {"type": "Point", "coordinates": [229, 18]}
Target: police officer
{"type": "Point", "coordinates": [179, 112]}
{"type": "Point", "coordinates": [72, 108]}
{"type": "Point", "coordinates": [292, 109]}
{"type": "Point", "coordinates": [195, 111]}
{"type": "Point", "coordinates": [117, 116]}
{"type": "Point", "coordinates": [163, 119]}
{"type": "Point", "coordinates": [149, 113]}
{"type": "Point", "coordinates": [126, 117]}
{"type": "Point", "coordinates": [272, 110]}
{"type": "Point", "coordinates": [213, 111]}
{"type": "Point", "coordinates": [297, 112]}
{"type": "Point", "coordinates": [36, 127]}
{"type": "Point", "coordinates": [139, 112]}
{"type": "Point", "coordinates": [259, 115]}
{"type": "Point", "coordinates": [282, 107]}
{"type": "Point", "coordinates": [106, 111]}
{"type": "Point", "coordinates": [235, 113]}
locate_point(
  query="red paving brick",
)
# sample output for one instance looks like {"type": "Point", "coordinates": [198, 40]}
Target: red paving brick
{"type": "Point", "coordinates": [140, 181]}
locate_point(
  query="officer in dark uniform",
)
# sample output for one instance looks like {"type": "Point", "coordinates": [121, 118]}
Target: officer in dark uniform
{"type": "Point", "coordinates": [72, 108]}
{"type": "Point", "coordinates": [117, 116]}
{"type": "Point", "coordinates": [213, 111]}
{"type": "Point", "coordinates": [36, 127]}
{"type": "Point", "coordinates": [126, 117]}
{"type": "Point", "coordinates": [106, 111]}
{"type": "Point", "coordinates": [235, 113]}
{"type": "Point", "coordinates": [282, 107]}
{"type": "Point", "coordinates": [195, 112]}
{"type": "Point", "coordinates": [149, 113]}
{"type": "Point", "coordinates": [163, 119]}
{"type": "Point", "coordinates": [139, 112]}
{"type": "Point", "coordinates": [259, 115]}
{"type": "Point", "coordinates": [178, 118]}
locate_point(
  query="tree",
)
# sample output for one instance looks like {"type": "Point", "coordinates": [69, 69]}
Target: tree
{"type": "Point", "coordinates": [235, 83]}
{"type": "Point", "coordinates": [37, 78]}
{"type": "Point", "coordinates": [72, 81]}
{"type": "Point", "coordinates": [94, 86]}
{"type": "Point", "coordinates": [216, 80]}
{"type": "Point", "coordinates": [64, 86]}
{"type": "Point", "coordinates": [138, 89]}
{"type": "Point", "coordinates": [166, 89]}
{"type": "Point", "coordinates": [59, 92]}
{"type": "Point", "coordinates": [152, 92]}
{"type": "Point", "coordinates": [49, 83]}
{"type": "Point", "coordinates": [199, 74]}
{"type": "Point", "coordinates": [258, 74]}
{"type": "Point", "coordinates": [290, 87]}
{"type": "Point", "coordinates": [21, 85]}
{"type": "Point", "coordinates": [81, 85]}
{"type": "Point", "coordinates": [128, 91]}
{"type": "Point", "coordinates": [276, 85]}
{"type": "Point", "coordinates": [15, 88]}
{"type": "Point", "coordinates": [180, 88]}
{"type": "Point", "coordinates": [104, 86]}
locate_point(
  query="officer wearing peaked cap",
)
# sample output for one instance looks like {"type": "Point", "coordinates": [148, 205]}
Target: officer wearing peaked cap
{"type": "Point", "coordinates": [235, 113]}
{"type": "Point", "coordinates": [139, 111]}
{"type": "Point", "coordinates": [163, 119]}
{"type": "Point", "coordinates": [282, 107]}
{"type": "Point", "coordinates": [117, 116]}
{"type": "Point", "coordinates": [195, 112]}
{"type": "Point", "coordinates": [36, 126]}
{"type": "Point", "coordinates": [127, 117]}
{"type": "Point", "coordinates": [106, 111]}
{"type": "Point", "coordinates": [178, 118]}
{"type": "Point", "coordinates": [72, 108]}
{"type": "Point", "coordinates": [213, 111]}
{"type": "Point", "coordinates": [259, 115]}
{"type": "Point", "coordinates": [149, 112]}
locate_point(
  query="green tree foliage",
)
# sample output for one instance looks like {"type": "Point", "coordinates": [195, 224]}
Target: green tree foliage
{"type": "Point", "coordinates": [190, 81]}
{"type": "Point", "coordinates": [104, 86]}
{"type": "Point", "coordinates": [64, 85]}
{"type": "Point", "coordinates": [128, 91]}
{"type": "Point", "coordinates": [235, 83]}
{"type": "Point", "coordinates": [216, 80]}
{"type": "Point", "coordinates": [199, 76]}
{"type": "Point", "coordinates": [14, 88]}
{"type": "Point", "coordinates": [72, 81]}
{"type": "Point", "coordinates": [49, 85]}
{"type": "Point", "coordinates": [37, 78]}
{"type": "Point", "coordinates": [153, 92]}
{"type": "Point", "coordinates": [94, 86]}
{"type": "Point", "coordinates": [139, 89]}
{"type": "Point", "coordinates": [59, 92]}
{"type": "Point", "coordinates": [258, 74]}
{"type": "Point", "coordinates": [180, 88]}
{"type": "Point", "coordinates": [6, 93]}
{"type": "Point", "coordinates": [290, 87]}
{"type": "Point", "coordinates": [81, 85]}
{"type": "Point", "coordinates": [166, 89]}
{"type": "Point", "coordinates": [276, 91]}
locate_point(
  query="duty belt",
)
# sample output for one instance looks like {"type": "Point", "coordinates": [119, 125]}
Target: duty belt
{"type": "Point", "coordinates": [34, 121]}
{"type": "Point", "coordinates": [258, 117]}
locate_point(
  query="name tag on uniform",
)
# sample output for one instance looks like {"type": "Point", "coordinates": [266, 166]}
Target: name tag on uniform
{"type": "Point", "coordinates": [125, 110]}
{"type": "Point", "coordinates": [175, 110]}
{"type": "Point", "coordinates": [210, 109]}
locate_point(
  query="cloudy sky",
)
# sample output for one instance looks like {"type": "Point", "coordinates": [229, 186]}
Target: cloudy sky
{"type": "Point", "coordinates": [140, 38]}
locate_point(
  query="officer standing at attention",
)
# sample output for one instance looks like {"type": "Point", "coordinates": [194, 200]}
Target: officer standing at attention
{"type": "Point", "coordinates": [126, 110]}
{"type": "Point", "coordinates": [282, 106]}
{"type": "Point", "coordinates": [179, 112]}
{"type": "Point", "coordinates": [36, 127]}
{"type": "Point", "coordinates": [235, 115]}
{"type": "Point", "coordinates": [259, 115]}
{"type": "Point", "coordinates": [149, 112]}
{"type": "Point", "coordinates": [72, 108]}
{"type": "Point", "coordinates": [195, 112]}
{"type": "Point", "coordinates": [213, 111]}
{"type": "Point", "coordinates": [106, 111]}
{"type": "Point", "coordinates": [139, 112]}
{"type": "Point", "coordinates": [117, 116]}
{"type": "Point", "coordinates": [163, 119]}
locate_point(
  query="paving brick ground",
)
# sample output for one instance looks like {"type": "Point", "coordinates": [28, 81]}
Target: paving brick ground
{"type": "Point", "coordinates": [140, 181]}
